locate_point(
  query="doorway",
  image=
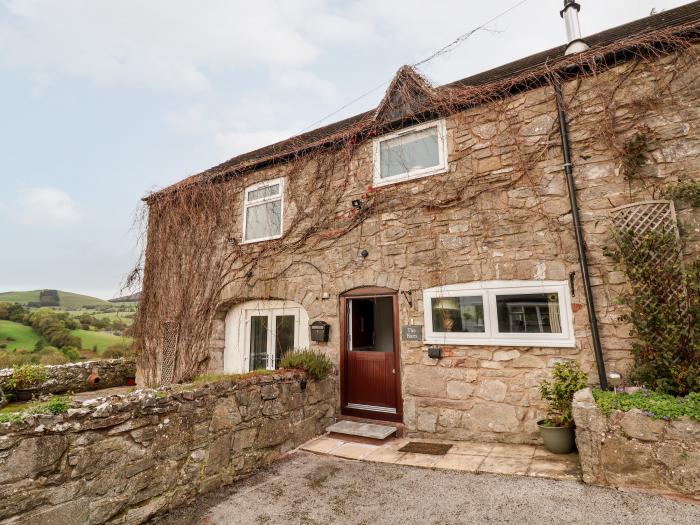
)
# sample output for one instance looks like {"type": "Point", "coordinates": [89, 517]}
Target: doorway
{"type": "Point", "coordinates": [370, 373]}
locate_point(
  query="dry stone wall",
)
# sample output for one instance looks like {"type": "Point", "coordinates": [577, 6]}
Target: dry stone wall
{"type": "Point", "coordinates": [73, 377]}
{"type": "Point", "coordinates": [124, 459]}
{"type": "Point", "coordinates": [501, 212]}
{"type": "Point", "coordinates": [630, 449]}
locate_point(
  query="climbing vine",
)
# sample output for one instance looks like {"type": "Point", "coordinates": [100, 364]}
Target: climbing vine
{"type": "Point", "coordinates": [193, 259]}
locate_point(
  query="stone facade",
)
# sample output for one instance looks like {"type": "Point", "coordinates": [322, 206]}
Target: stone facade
{"type": "Point", "coordinates": [630, 449]}
{"type": "Point", "coordinates": [73, 377]}
{"type": "Point", "coordinates": [501, 212]}
{"type": "Point", "coordinates": [124, 459]}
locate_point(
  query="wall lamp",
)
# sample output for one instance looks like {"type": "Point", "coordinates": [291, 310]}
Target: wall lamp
{"type": "Point", "coordinates": [357, 204]}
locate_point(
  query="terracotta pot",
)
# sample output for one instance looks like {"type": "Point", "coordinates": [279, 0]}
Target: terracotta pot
{"type": "Point", "coordinates": [25, 394]}
{"type": "Point", "coordinates": [559, 440]}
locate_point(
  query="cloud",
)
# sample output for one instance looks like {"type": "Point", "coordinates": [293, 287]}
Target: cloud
{"type": "Point", "coordinates": [48, 206]}
{"type": "Point", "coordinates": [175, 44]}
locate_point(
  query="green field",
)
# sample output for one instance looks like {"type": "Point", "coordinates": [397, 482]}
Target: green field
{"type": "Point", "coordinates": [24, 336]}
{"type": "Point", "coordinates": [67, 299]}
{"type": "Point", "coordinates": [101, 339]}
{"type": "Point", "coordinates": [107, 315]}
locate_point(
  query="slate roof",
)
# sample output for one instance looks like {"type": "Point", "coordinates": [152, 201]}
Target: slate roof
{"type": "Point", "coordinates": [680, 16]}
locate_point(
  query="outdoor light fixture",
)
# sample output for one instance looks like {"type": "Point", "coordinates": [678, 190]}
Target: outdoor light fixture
{"type": "Point", "coordinates": [364, 254]}
{"type": "Point", "coordinates": [231, 241]}
{"type": "Point", "coordinates": [614, 379]}
{"type": "Point", "coordinates": [357, 204]}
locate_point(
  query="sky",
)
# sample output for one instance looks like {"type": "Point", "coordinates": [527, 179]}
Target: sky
{"type": "Point", "coordinates": [103, 101]}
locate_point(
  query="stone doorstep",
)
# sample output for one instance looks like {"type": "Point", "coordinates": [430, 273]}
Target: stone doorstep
{"type": "Point", "coordinates": [361, 429]}
{"type": "Point", "coordinates": [464, 456]}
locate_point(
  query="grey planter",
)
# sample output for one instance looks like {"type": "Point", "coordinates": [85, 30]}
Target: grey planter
{"type": "Point", "coordinates": [559, 440]}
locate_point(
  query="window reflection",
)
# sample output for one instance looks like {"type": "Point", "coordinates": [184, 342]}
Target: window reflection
{"type": "Point", "coordinates": [458, 314]}
{"type": "Point", "coordinates": [528, 313]}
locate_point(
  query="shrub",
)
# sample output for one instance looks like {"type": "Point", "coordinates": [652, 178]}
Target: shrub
{"type": "Point", "coordinates": [316, 364]}
{"type": "Point", "coordinates": [26, 376]}
{"type": "Point", "coordinates": [71, 353]}
{"type": "Point", "coordinates": [654, 404]}
{"type": "Point", "coordinates": [10, 417]}
{"type": "Point", "coordinates": [52, 356]}
{"type": "Point", "coordinates": [568, 379]}
{"type": "Point", "coordinates": [116, 351]}
{"type": "Point", "coordinates": [55, 405]}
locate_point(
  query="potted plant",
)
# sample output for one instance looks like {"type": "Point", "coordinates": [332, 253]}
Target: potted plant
{"type": "Point", "coordinates": [25, 380]}
{"type": "Point", "coordinates": [557, 430]}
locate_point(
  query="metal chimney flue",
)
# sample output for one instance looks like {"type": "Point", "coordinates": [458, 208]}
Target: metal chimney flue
{"type": "Point", "coordinates": [573, 29]}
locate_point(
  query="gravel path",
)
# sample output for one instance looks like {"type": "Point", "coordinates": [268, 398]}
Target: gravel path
{"type": "Point", "coordinates": [308, 489]}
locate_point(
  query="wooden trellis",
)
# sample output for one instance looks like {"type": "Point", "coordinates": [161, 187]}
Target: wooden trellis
{"type": "Point", "coordinates": [169, 345]}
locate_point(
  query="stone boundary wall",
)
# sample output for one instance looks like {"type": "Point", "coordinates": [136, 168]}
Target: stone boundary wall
{"type": "Point", "coordinates": [73, 377]}
{"type": "Point", "coordinates": [632, 450]}
{"type": "Point", "coordinates": [123, 459]}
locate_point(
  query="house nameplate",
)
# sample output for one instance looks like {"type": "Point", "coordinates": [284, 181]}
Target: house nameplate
{"type": "Point", "coordinates": [412, 332]}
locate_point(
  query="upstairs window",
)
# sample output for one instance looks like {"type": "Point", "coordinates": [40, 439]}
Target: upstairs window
{"type": "Point", "coordinates": [262, 211]}
{"type": "Point", "coordinates": [413, 152]}
{"type": "Point", "coordinates": [504, 313]}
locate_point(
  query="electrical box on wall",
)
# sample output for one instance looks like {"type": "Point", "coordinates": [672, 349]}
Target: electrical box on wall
{"type": "Point", "coordinates": [320, 330]}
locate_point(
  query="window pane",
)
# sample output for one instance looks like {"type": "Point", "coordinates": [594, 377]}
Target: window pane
{"type": "Point", "coordinates": [284, 328]}
{"type": "Point", "coordinates": [409, 152]}
{"type": "Point", "coordinates": [536, 313]}
{"type": "Point", "coordinates": [263, 220]}
{"type": "Point", "coordinates": [458, 314]}
{"type": "Point", "coordinates": [258, 342]}
{"type": "Point", "coordinates": [265, 191]}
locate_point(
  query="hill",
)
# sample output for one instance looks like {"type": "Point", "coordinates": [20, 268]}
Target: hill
{"type": "Point", "coordinates": [133, 298]}
{"type": "Point", "coordinates": [15, 335]}
{"type": "Point", "coordinates": [66, 299]}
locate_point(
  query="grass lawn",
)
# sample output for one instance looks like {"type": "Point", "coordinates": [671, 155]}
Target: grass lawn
{"type": "Point", "coordinates": [122, 316]}
{"type": "Point", "coordinates": [101, 339]}
{"type": "Point", "coordinates": [24, 336]}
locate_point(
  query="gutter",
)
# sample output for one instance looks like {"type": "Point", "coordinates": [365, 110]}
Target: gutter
{"type": "Point", "coordinates": [578, 231]}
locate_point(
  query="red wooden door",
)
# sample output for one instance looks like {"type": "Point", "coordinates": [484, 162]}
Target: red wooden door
{"type": "Point", "coordinates": [369, 360]}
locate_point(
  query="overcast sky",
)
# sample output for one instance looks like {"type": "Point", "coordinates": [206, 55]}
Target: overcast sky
{"type": "Point", "coordinates": [102, 101]}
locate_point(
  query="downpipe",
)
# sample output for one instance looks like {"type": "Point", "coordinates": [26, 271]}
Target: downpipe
{"type": "Point", "coordinates": [580, 242]}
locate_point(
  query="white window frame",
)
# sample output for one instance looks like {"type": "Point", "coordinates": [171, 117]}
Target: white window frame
{"type": "Point", "coordinates": [271, 314]}
{"type": "Point", "coordinates": [441, 167]}
{"type": "Point", "coordinates": [488, 290]}
{"type": "Point", "coordinates": [247, 203]}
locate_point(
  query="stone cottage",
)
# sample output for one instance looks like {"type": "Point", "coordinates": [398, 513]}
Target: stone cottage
{"type": "Point", "coordinates": [446, 249]}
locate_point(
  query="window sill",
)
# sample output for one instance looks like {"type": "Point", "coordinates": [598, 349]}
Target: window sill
{"type": "Point", "coordinates": [535, 343]}
{"type": "Point", "coordinates": [397, 179]}
{"type": "Point", "coordinates": [263, 239]}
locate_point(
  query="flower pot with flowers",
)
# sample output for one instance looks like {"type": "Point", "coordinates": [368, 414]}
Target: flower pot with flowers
{"type": "Point", "coordinates": [26, 380]}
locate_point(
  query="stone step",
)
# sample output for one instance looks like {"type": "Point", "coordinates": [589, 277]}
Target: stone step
{"type": "Point", "coordinates": [365, 430]}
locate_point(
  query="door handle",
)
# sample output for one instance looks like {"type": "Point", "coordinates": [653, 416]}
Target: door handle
{"type": "Point", "coordinates": [393, 371]}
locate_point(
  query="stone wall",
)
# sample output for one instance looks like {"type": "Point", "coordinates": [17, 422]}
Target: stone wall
{"type": "Point", "coordinates": [501, 212]}
{"type": "Point", "coordinates": [123, 459]}
{"type": "Point", "coordinates": [73, 377]}
{"type": "Point", "coordinates": [630, 449]}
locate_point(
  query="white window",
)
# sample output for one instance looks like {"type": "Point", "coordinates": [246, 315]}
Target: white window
{"type": "Point", "coordinates": [258, 333]}
{"type": "Point", "coordinates": [262, 211]}
{"type": "Point", "coordinates": [413, 152]}
{"type": "Point", "coordinates": [505, 313]}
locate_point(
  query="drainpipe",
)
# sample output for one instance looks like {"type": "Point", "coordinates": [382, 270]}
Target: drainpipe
{"type": "Point", "coordinates": [580, 242]}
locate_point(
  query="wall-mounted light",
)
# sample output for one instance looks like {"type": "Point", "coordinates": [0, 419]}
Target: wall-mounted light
{"type": "Point", "coordinates": [408, 295]}
{"type": "Point", "coordinates": [231, 241]}
{"type": "Point", "coordinates": [357, 204]}
{"type": "Point", "coordinates": [364, 254]}
{"type": "Point", "coordinates": [435, 352]}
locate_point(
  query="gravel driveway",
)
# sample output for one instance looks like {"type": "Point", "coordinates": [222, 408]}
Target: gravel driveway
{"type": "Point", "coordinates": [308, 489]}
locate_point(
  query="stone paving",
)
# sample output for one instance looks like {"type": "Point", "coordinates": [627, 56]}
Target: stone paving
{"type": "Point", "coordinates": [492, 458]}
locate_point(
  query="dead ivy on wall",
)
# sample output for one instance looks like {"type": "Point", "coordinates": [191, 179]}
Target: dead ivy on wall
{"type": "Point", "coordinates": [191, 257]}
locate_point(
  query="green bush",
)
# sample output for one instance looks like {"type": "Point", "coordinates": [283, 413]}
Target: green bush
{"type": "Point", "coordinates": [568, 379]}
{"type": "Point", "coordinates": [654, 404]}
{"type": "Point", "coordinates": [26, 376]}
{"type": "Point", "coordinates": [52, 356]}
{"type": "Point", "coordinates": [71, 353]}
{"type": "Point", "coordinates": [316, 364]}
{"type": "Point", "coordinates": [55, 405]}
{"type": "Point", "coordinates": [11, 417]}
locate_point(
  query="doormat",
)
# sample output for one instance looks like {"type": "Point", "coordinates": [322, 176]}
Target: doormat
{"type": "Point", "coordinates": [437, 449]}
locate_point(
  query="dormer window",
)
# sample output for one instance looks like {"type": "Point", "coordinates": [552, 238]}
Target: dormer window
{"type": "Point", "coordinates": [411, 153]}
{"type": "Point", "coordinates": [262, 211]}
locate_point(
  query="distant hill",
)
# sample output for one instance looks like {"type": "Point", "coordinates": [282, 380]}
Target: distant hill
{"type": "Point", "coordinates": [133, 298]}
{"type": "Point", "coordinates": [68, 300]}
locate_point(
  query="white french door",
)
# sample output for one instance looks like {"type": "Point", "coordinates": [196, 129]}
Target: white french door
{"type": "Point", "coordinates": [269, 335]}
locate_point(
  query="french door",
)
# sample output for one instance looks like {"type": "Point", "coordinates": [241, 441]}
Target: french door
{"type": "Point", "coordinates": [269, 335]}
